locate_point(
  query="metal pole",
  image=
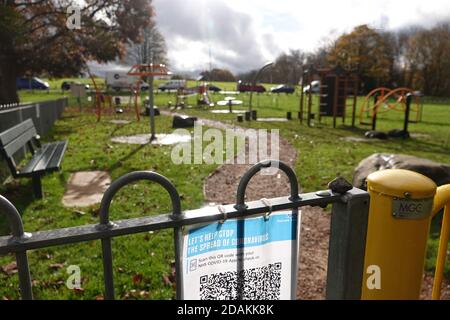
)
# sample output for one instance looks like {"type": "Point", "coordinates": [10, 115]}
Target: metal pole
{"type": "Point", "coordinates": [310, 101]}
{"type": "Point", "coordinates": [302, 95]}
{"type": "Point", "coordinates": [16, 226]}
{"type": "Point", "coordinates": [241, 206]}
{"type": "Point", "coordinates": [409, 97]}
{"type": "Point", "coordinates": [375, 112]}
{"type": "Point", "coordinates": [152, 109]}
{"type": "Point", "coordinates": [399, 224]}
{"type": "Point", "coordinates": [106, 225]}
{"type": "Point", "coordinates": [355, 100]}
{"type": "Point", "coordinates": [255, 80]}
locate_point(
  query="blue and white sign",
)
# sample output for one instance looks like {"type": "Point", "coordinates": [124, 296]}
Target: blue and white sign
{"type": "Point", "coordinates": [254, 259]}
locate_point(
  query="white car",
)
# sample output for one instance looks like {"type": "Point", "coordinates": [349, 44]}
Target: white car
{"type": "Point", "coordinates": [314, 87]}
{"type": "Point", "coordinates": [119, 80]}
{"type": "Point", "coordinates": [173, 85]}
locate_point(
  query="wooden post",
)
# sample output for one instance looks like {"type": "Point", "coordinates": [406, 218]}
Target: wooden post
{"type": "Point", "coordinates": [309, 104]}
{"type": "Point", "coordinates": [302, 95]}
{"type": "Point", "coordinates": [355, 99]}
{"type": "Point", "coordinates": [336, 99]}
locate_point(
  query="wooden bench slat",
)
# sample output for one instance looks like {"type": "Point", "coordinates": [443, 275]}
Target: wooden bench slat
{"type": "Point", "coordinates": [42, 165]}
{"type": "Point", "coordinates": [29, 168]}
{"type": "Point", "coordinates": [58, 156]}
{"type": "Point", "coordinates": [15, 145]}
{"type": "Point", "coordinates": [12, 133]}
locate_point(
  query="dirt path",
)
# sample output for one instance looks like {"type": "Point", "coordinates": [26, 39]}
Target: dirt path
{"type": "Point", "coordinates": [220, 188]}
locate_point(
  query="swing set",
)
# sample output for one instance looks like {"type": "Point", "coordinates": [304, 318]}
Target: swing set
{"type": "Point", "coordinates": [149, 71]}
{"type": "Point", "coordinates": [103, 98]}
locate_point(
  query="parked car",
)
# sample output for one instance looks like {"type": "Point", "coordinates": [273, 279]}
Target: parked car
{"type": "Point", "coordinates": [214, 88]}
{"type": "Point", "coordinates": [172, 85]}
{"type": "Point", "coordinates": [120, 80]}
{"type": "Point", "coordinates": [32, 84]}
{"type": "Point", "coordinates": [65, 86]}
{"type": "Point", "coordinates": [248, 87]}
{"type": "Point", "coordinates": [284, 88]}
{"type": "Point", "coordinates": [314, 87]}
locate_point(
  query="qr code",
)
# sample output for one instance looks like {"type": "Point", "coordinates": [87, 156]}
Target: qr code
{"type": "Point", "coordinates": [250, 284]}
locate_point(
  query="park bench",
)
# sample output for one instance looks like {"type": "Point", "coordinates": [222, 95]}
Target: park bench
{"type": "Point", "coordinates": [44, 158]}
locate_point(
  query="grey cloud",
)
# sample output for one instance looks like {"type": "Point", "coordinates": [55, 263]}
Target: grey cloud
{"type": "Point", "coordinates": [219, 25]}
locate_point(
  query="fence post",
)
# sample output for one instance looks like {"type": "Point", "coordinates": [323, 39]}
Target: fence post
{"type": "Point", "coordinates": [347, 247]}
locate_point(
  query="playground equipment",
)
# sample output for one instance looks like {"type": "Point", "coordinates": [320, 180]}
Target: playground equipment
{"type": "Point", "coordinates": [203, 98]}
{"type": "Point", "coordinates": [255, 81]}
{"type": "Point", "coordinates": [402, 206]}
{"type": "Point", "coordinates": [201, 91]}
{"type": "Point", "coordinates": [336, 86]}
{"type": "Point", "coordinates": [149, 71]}
{"type": "Point", "coordinates": [103, 99]}
{"type": "Point", "coordinates": [182, 95]}
{"type": "Point", "coordinates": [100, 99]}
{"type": "Point", "coordinates": [230, 102]}
{"type": "Point", "coordinates": [382, 100]}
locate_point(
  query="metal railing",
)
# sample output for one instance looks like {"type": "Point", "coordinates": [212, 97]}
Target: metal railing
{"type": "Point", "coordinates": [9, 106]}
{"type": "Point", "coordinates": [349, 219]}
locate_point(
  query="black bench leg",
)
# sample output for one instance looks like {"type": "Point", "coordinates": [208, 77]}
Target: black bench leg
{"type": "Point", "coordinates": [37, 187]}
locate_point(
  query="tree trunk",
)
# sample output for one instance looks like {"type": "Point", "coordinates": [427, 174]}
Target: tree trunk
{"type": "Point", "coordinates": [8, 61]}
{"type": "Point", "coordinates": [8, 75]}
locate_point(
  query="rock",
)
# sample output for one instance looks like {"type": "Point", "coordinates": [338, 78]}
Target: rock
{"type": "Point", "coordinates": [439, 173]}
{"type": "Point", "coordinates": [183, 122]}
{"type": "Point", "coordinates": [340, 185]}
{"type": "Point", "coordinates": [397, 133]}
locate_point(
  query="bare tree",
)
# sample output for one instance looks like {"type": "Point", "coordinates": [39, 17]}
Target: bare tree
{"type": "Point", "coordinates": [152, 49]}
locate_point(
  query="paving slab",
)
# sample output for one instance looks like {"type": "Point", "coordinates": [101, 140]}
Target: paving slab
{"type": "Point", "coordinates": [272, 120]}
{"type": "Point", "coordinates": [86, 188]}
{"type": "Point", "coordinates": [161, 139]}
{"type": "Point", "coordinates": [120, 122]}
{"type": "Point", "coordinates": [228, 111]}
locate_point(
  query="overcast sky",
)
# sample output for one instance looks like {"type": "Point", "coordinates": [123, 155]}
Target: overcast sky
{"type": "Point", "coordinates": [244, 34]}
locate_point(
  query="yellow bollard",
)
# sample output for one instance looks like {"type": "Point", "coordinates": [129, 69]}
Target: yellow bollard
{"type": "Point", "coordinates": [401, 204]}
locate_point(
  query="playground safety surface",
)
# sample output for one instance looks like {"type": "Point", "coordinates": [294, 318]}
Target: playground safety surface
{"type": "Point", "coordinates": [161, 139]}
{"type": "Point", "coordinates": [85, 189]}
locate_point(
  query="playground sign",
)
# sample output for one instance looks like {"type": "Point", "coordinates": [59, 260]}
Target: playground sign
{"type": "Point", "coordinates": [252, 259]}
{"type": "Point", "coordinates": [78, 90]}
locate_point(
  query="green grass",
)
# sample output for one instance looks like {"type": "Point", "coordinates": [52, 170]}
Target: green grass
{"type": "Point", "coordinates": [322, 157]}
{"type": "Point", "coordinates": [149, 255]}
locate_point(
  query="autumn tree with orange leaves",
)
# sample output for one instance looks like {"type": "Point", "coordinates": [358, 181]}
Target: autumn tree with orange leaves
{"type": "Point", "coordinates": [35, 39]}
{"type": "Point", "coordinates": [364, 52]}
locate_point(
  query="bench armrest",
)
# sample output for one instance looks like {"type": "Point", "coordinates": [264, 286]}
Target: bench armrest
{"type": "Point", "coordinates": [37, 139]}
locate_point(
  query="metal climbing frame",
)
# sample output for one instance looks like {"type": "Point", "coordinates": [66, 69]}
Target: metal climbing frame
{"type": "Point", "coordinates": [336, 87]}
{"type": "Point", "coordinates": [346, 247]}
{"type": "Point", "coordinates": [382, 100]}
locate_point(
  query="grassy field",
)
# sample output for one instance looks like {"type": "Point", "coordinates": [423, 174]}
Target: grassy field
{"type": "Point", "coordinates": [142, 261]}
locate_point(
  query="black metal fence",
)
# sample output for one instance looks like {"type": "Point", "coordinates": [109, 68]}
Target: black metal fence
{"type": "Point", "coordinates": [346, 248]}
{"type": "Point", "coordinates": [44, 114]}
